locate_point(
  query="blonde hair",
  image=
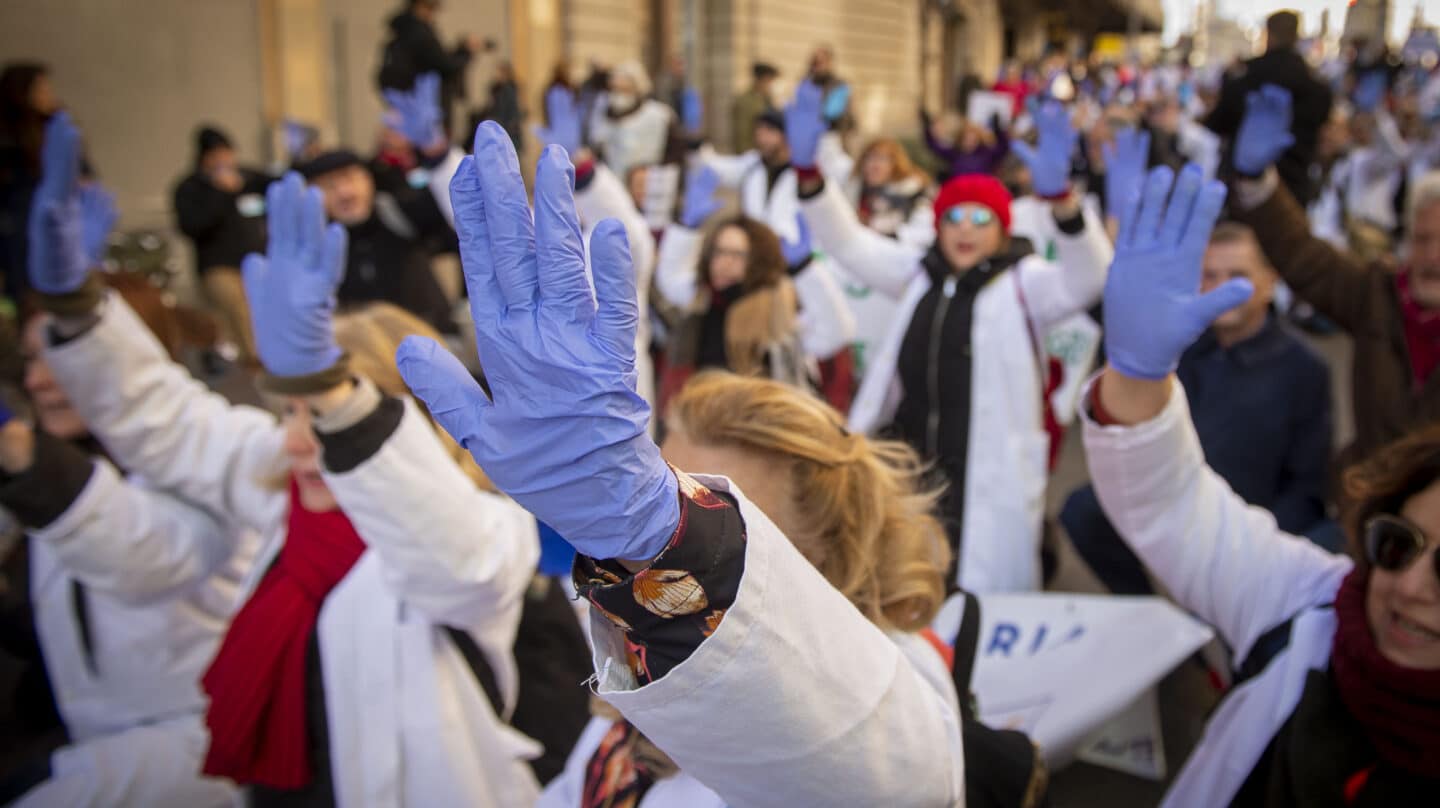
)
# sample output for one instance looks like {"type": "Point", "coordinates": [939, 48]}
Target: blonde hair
{"type": "Point", "coordinates": [902, 167]}
{"type": "Point", "coordinates": [371, 334]}
{"type": "Point", "coordinates": [868, 524]}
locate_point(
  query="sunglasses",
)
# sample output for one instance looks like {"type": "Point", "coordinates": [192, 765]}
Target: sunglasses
{"type": "Point", "coordinates": [977, 216]}
{"type": "Point", "coordinates": [1393, 544]}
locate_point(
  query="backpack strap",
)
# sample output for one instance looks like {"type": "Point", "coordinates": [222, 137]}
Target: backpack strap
{"type": "Point", "coordinates": [1269, 646]}
{"type": "Point", "coordinates": [480, 668]}
{"type": "Point", "coordinates": [967, 646]}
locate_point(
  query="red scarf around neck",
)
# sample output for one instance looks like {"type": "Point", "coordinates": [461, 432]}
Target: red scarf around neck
{"type": "Point", "coordinates": [1422, 332]}
{"type": "Point", "coordinates": [256, 683]}
{"type": "Point", "coordinates": [1398, 707]}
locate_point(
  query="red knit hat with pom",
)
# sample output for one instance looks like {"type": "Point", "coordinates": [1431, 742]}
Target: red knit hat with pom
{"type": "Point", "coordinates": [978, 189]}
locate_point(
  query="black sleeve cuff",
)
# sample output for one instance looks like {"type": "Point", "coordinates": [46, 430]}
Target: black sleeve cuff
{"type": "Point", "coordinates": [348, 448]}
{"type": "Point", "coordinates": [796, 269]}
{"type": "Point", "coordinates": [819, 189]}
{"type": "Point", "coordinates": [668, 609]}
{"type": "Point", "coordinates": [41, 493]}
{"type": "Point", "coordinates": [1072, 226]}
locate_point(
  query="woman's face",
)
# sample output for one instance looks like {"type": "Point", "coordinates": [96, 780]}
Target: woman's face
{"type": "Point", "coordinates": [303, 449]}
{"type": "Point", "coordinates": [965, 243]}
{"type": "Point", "coordinates": [42, 96]}
{"type": "Point", "coordinates": [1403, 607]}
{"type": "Point", "coordinates": [878, 168]}
{"type": "Point", "coordinates": [763, 480]}
{"type": "Point", "coordinates": [969, 138]}
{"type": "Point", "coordinates": [729, 258]}
{"type": "Point", "coordinates": [53, 412]}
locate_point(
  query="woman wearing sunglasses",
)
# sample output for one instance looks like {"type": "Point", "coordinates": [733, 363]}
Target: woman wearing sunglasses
{"type": "Point", "coordinates": [1337, 697]}
{"type": "Point", "coordinates": [960, 376]}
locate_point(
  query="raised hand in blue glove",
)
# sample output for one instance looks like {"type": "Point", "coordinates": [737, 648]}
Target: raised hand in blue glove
{"type": "Point", "coordinates": [58, 262]}
{"type": "Point", "coordinates": [1153, 306]}
{"type": "Point", "coordinates": [836, 102]}
{"type": "Point", "coordinates": [692, 110]}
{"type": "Point", "coordinates": [1049, 159]}
{"type": "Point", "coordinates": [804, 124]}
{"type": "Point", "coordinates": [797, 252]}
{"type": "Point", "coordinates": [291, 288]}
{"type": "Point", "coordinates": [1370, 90]}
{"type": "Point", "coordinates": [1264, 132]}
{"type": "Point", "coordinates": [1125, 161]}
{"type": "Point", "coordinates": [564, 116]}
{"type": "Point", "coordinates": [97, 219]}
{"type": "Point", "coordinates": [564, 432]}
{"type": "Point", "coordinates": [701, 201]}
{"type": "Point", "coordinates": [416, 113]}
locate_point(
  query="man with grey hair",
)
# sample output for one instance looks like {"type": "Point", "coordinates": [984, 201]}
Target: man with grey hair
{"type": "Point", "coordinates": [1392, 312]}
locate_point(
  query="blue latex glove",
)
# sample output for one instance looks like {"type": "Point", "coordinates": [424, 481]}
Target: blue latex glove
{"type": "Point", "coordinates": [416, 113]}
{"type": "Point", "coordinates": [97, 219]}
{"type": "Point", "coordinates": [1049, 159]}
{"type": "Point", "coordinates": [700, 201]}
{"type": "Point", "coordinates": [1370, 90]}
{"type": "Point", "coordinates": [1153, 306]}
{"type": "Point", "coordinates": [58, 262]}
{"type": "Point", "coordinates": [564, 115]}
{"type": "Point", "coordinates": [291, 288]}
{"type": "Point", "coordinates": [1264, 132]}
{"type": "Point", "coordinates": [798, 251]}
{"type": "Point", "coordinates": [692, 112]}
{"type": "Point", "coordinates": [804, 124]}
{"type": "Point", "coordinates": [1125, 162]}
{"type": "Point", "coordinates": [836, 101]}
{"type": "Point", "coordinates": [5, 414]}
{"type": "Point", "coordinates": [565, 433]}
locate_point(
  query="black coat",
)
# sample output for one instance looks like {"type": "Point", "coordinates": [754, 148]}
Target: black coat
{"type": "Point", "coordinates": [212, 219]}
{"type": "Point", "coordinates": [1312, 99]}
{"type": "Point", "coordinates": [389, 260]}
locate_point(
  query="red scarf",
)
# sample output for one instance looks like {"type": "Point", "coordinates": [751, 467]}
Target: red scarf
{"type": "Point", "coordinates": [1398, 707]}
{"type": "Point", "coordinates": [1422, 332]}
{"type": "Point", "coordinates": [257, 682]}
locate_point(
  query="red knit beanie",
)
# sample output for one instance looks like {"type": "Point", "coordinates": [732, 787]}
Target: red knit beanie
{"type": "Point", "coordinates": [979, 189]}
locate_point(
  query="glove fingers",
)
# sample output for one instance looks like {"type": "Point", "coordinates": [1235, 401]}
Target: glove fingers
{"type": "Point", "coordinates": [1221, 299]}
{"type": "Point", "coordinates": [333, 254]}
{"type": "Point", "coordinates": [559, 250]}
{"type": "Point", "coordinates": [253, 270]}
{"type": "Point", "coordinates": [311, 229]}
{"type": "Point", "coordinates": [1182, 203]}
{"type": "Point", "coordinates": [1208, 205]}
{"type": "Point", "coordinates": [479, 269]}
{"type": "Point", "coordinates": [1025, 152]}
{"type": "Point", "coordinates": [617, 313]}
{"type": "Point", "coordinates": [507, 215]}
{"type": "Point", "coordinates": [452, 397]}
{"type": "Point", "coordinates": [1152, 206]}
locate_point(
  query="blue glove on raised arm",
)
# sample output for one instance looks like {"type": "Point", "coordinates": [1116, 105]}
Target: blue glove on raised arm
{"type": "Point", "coordinates": [417, 113]}
{"type": "Point", "coordinates": [836, 102]}
{"type": "Point", "coordinates": [1125, 162]}
{"type": "Point", "coordinates": [804, 124]}
{"type": "Point", "coordinates": [97, 219]}
{"type": "Point", "coordinates": [1153, 306]}
{"type": "Point", "coordinates": [1264, 132]}
{"type": "Point", "coordinates": [692, 113]}
{"type": "Point", "coordinates": [58, 262]}
{"type": "Point", "coordinates": [564, 115]}
{"type": "Point", "coordinates": [291, 288]}
{"type": "Point", "coordinates": [565, 433]}
{"type": "Point", "coordinates": [701, 201]}
{"type": "Point", "coordinates": [798, 251]}
{"type": "Point", "coordinates": [1049, 160]}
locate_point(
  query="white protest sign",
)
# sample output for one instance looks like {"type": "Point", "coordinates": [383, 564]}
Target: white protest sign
{"type": "Point", "coordinates": [982, 106]}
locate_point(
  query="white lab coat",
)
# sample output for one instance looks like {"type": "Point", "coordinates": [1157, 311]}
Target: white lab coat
{"type": "Point", "coordinates": [1008, 452]}
{"type": "Point", "coordinates": [409, 725]}
{"type": "Point", "coordinates": [161, 579]}
{"type": "Point", "coordinates": [638, 139]}
{"type": "Point", "coordinates": [796, 699]}
{"type": "Point", "coordinates": [1228, 564]}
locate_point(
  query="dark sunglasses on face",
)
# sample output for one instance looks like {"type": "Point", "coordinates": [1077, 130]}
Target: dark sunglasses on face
{"type": "Point", "coordinates": [1392, 543]}
{"type": "Point", "coordinates": [977, 216]}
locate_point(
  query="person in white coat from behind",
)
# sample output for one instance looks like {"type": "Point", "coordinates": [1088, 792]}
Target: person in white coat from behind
{"type": "Point", "coordinates": [713, 636]}
{"type": "Point", "coordinates": [630, 129]}
{"type": "Point", "coordinates": [961, 375]}
{"type": "Point", "coordinates": [1335, 700]}
{"type": "Point", "coordinates": [371, 662]}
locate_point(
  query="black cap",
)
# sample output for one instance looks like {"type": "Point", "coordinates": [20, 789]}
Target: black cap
{"type": "Point", "coordinates": [763, 70]}
{"type": "Point", "coordinates": [327, 162]}
{"type": "Point", "coordinates": [772, 118]}
{"type": "Point", "coordinates": [209, 138]}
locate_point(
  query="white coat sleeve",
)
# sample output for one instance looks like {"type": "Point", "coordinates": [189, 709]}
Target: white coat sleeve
{"type": "Point", "coordinates": [1075, 280]}
{"type": "Point", "coordinates": [440, 177]}
{"type": "Point", "coordinates": [774, 708]}
{"type": "Point", "coordinates": [836, 165]}
{"type": "Point", "coordinates": [157, 421]}
{"type": "Point", "coordinates": [1222, 559]}
{"type": "Point", "coordinates": [460, 555]}
{"type": "Point", "coordinates": [883, 264]}
{"type": "Point", "coordinates": [827, 325]}
{"type": "Point", "coordinates": [730, 168]}
{"type": "Point", "coordinates": [135, 543]}
{"type": "Point", "coordinates": [677, 267]}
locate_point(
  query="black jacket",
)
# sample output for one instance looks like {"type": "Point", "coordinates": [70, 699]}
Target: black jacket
{"type": "Point", "coordinates": [1312, 99]}
{"type": "Point", "coordinates": [414, 48]}
{"type": "Point", "coordinates": [389, 260]}
{"type": "Point", "coordinates": [213, 221]}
